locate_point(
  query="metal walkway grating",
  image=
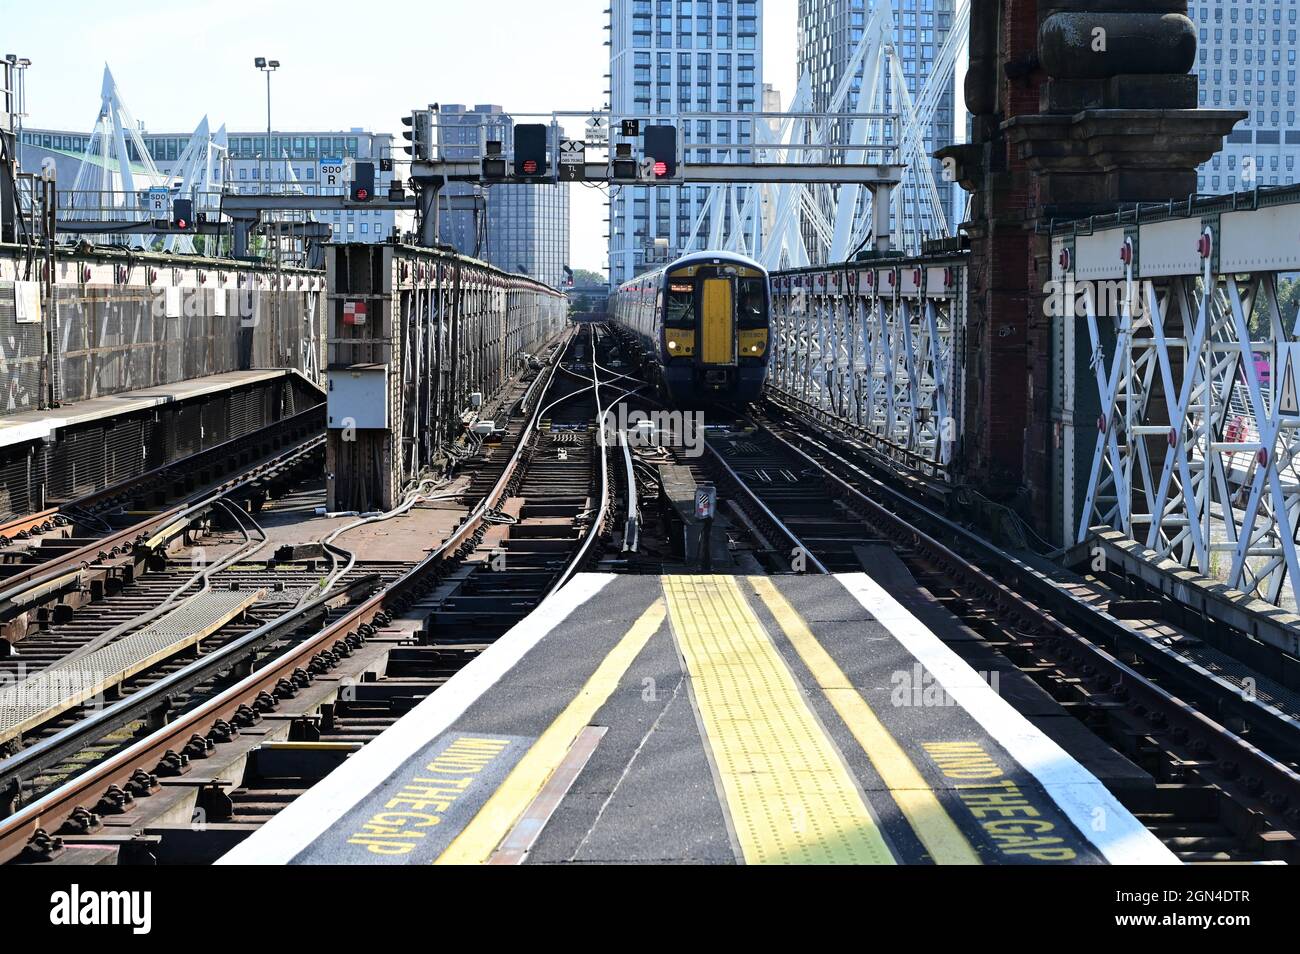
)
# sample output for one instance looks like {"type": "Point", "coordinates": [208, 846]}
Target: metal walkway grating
{"type": "Point", "coordinates": [64, 685]}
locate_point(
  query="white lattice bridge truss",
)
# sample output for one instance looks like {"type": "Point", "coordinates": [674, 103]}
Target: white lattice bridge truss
{"type": "Point", "coordinates": [873, 349]}
{"type": "Point", "coordinates": [1177, 316]}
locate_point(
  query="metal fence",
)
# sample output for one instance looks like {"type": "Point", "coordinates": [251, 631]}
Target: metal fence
{"type": "Point", "coordinates": [1178, 417]}
{"type": "Point", "coordinates": [111, 321]}
{"type": "Point", "coordinates": [874, 349]}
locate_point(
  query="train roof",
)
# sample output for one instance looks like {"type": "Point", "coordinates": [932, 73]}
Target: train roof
{"type": "Point", "coordinates": [697, 258]}
{"type": "Point", "coordinates": [707, 254]}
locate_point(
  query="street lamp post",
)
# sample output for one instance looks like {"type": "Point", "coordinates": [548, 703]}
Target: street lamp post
{"type": "Point", "coordinates": [268, 67]}
{"type": "Point", "coordinates": [18, 95]}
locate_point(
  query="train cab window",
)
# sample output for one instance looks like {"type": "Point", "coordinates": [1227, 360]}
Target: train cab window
{"type": "Point", "coordinates": [681, 305]}
{"type": "Point", "coordinates": [751, 310]}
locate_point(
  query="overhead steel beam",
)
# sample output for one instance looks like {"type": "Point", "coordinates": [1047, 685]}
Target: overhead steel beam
{"type": "Point", "coordinates": [786, 173]}
{"type": "Point", "coordinates": [233, 204]}
{"type": "Point", "coordinates": [740, 173]}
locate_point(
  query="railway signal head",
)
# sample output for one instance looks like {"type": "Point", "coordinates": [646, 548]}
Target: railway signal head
{"type": "Point", "coordinates": [419, 135]}
{"type": "Point", "coordinates": [363, 181]}
{"type": "Point", "coordinates": [494, 163]}
{"type": "Point", "coordinates": [624, 163]}
{"type": "Point", "coordinates": [661, 146]}
{"type": "Point", "coordinates": [530, 150]}
{"type": "Point", "coordinates": [183, 214]}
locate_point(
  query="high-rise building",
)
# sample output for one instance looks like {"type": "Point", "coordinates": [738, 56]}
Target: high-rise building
{"type": "Point", "coordinates": [251, 166]}
{"type": "Point", "coordinates": [1246, 59]}
{"type": "Point", "coordinates": [462, 131]}
{"type": "Point", "coordinates": [526, 228]}
{"type": "Point", "coordinates": [829, 33]}
{"type": "Point", "coordinates": [669, 60]}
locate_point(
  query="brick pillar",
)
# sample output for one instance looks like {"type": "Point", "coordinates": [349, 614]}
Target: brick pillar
{"type": "Point", "coordinates": [1077, 111]}
{"type": "Point", "coordinates": [1002, 82]}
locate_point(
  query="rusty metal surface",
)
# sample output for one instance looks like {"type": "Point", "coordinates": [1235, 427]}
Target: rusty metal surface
{"type": "Point", "coordinates": [53, 809]}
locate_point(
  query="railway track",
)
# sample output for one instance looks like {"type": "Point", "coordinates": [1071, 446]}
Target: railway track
{"type": "Point", "coordinates": [539, 510]}
{"type": "Point", "coordinates": [93, 546]}
{"type": "Point", "coordinates": [330, 688]}
{"type": "Point", "coordinates": [1218, 796]}
{"type": "Point", "coordinates": [97, 514]}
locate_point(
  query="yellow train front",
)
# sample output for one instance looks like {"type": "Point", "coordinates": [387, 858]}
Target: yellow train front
{"type": "Point", "coordinates": [702, 325]}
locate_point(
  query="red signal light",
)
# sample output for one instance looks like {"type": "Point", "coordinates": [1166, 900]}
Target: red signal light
{"type": "Point", "coordinates": [661, 168]}
{"type": "Point", "coordinates": [363, 195]}
{"type": "Point", "coordinates": [530, 167]}
{"type": "Point", "coordinates": [182, 224]}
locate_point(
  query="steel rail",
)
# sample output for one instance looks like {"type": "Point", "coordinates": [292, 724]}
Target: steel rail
{"type": "Point", "coordinates": [1237, 762]}
{"type": "Point", "coordinates": [766, 511]}
{"type": "Point", "coordinates": [52, 809]}
{"type": "Point", "coordinates": [43, 578]}
{"type": "Point", "coordinates": [593, 531]}
{"type": "Point", "coordinates": [15, 525]}
{"type": "Point", "coordinates": [743, 486]}
{"type": "Point", "coordinates": [54, 749]}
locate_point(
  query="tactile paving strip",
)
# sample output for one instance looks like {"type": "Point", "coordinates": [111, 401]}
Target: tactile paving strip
{"type": "Point", "coordinates": [789, 795]}
{"type": "Point", "coordinates": [64, 685]}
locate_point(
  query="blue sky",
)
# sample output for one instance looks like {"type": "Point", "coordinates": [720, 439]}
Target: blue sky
{"type": "Point", "coordinates": [176, 62]}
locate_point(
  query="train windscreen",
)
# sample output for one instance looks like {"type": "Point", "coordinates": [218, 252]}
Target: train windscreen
{"type": "Point", "coordinates": [750, 307]}
{"type": "Point", "coordinates": [681, 305]}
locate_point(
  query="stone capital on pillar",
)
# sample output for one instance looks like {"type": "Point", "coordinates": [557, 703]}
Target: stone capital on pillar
{"type": "Point", "coordinates": [1117, 119]}
{"type": "Point", "coordinates": [1097, 159]}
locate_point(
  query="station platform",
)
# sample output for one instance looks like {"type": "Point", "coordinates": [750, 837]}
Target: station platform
{"type": "Point", "coordinates": [712, 719]}
{"type": "Point", "coordinates": [45, 423]}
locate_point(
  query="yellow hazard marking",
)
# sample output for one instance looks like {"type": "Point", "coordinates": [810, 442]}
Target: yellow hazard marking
{"type": "Point", "coordinates": [476, 843]}
{"type": "Point", "coordinates": [423, 799]}
{"type": "Point", "coordinates": [914, 797]}
{"type": "Point", "coordinates": [1004, 811]}
{"type": "Point", "coordinates": [790, 796]}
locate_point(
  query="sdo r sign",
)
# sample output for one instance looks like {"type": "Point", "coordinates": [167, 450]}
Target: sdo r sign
{"type": "Point", "coordinates": [333, 173]}
{"type": "Point", "coordinates": [160, 203]}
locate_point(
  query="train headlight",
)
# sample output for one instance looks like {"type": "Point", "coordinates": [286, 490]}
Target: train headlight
{"type": "Point", "coordinates": [679, 343]}
{"type": "Point", "coordinates": [753, 342]}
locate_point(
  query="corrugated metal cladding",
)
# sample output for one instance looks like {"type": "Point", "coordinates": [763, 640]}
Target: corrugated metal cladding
{"type": "Point", "coordinates": [22, 357]}
{"type": "Point", "coordinates": [119, 338]}
{"type": "Point", "coordinates": [89, 457]}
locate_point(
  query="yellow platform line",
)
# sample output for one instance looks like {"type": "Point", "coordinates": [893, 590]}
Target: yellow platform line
{"type": "Point", "coordinates": [480, 838]}
{"type": "Point", "coordinates": [913, 795]}
{"type": "Point", "coordinates": [789, 795]}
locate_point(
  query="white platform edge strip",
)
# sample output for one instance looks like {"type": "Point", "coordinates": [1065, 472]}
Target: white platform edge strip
{"type": "Point", "coordinates": [292, 830]}
{"type": "Point", "coordinates": [1078, 793]}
